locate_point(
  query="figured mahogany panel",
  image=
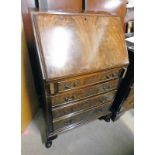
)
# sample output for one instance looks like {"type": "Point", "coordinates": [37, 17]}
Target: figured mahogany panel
{"type": "Point", "coordinates": [73, 44]}
{"type": "Point", "coordinates": [117, 7]}
{"type": "Point", "coordinates": [77, 94]}
{"type": "Point", "coordinates": [71, 109]}
{"type": "Point", "coordinates": [73, 121]}
{"type": "Point", "coordinates": [82, 81]}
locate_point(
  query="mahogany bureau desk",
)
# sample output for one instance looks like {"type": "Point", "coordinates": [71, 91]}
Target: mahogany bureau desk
{"type": "Point", "coordinates": [82, 59]}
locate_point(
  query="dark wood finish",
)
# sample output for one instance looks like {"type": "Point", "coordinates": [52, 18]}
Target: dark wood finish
{"type": "Point", "coordinates": [125, 96]}
{"type": "Point", "coordinates": [82, 81]}
{"type": "Point", "coordinates": [127, 104]}
{"type": "Point", "coordinates": [49, 140]}
{"type": "Point", "coordinates": [70, 96]}
{"type": "Point", "coordinates": [116, 7]}
{"type": "Point", "coordinates": [83, 105]}
{"type": "Point", "coordinates": [86, 46]}
{"type": "Point", "coordinates": [82, 57]}
{"type": "Point", "coordinates": [81, 117]}
{"type": "Point", "coordinates": [106, 118]}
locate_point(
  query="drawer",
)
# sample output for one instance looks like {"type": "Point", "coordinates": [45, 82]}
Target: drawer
{"type": "Point", "coordinates": [64, 85]}
{"type": "Point", "coordinates": [71, 109]}
{"type": "Point", "coordinates": [82, 93]}
{"type": "Point", "coordinates": [81, 117]}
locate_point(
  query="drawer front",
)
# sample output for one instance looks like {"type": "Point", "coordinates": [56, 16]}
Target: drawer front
{"type": "Point", "coordinates": [82, 117]}
{"type": "Point", "coordinates": [70, 96]}
{"type": "Point", "coordinates": [81, 81]}
{"type": "Point", "coordinates": [71, 109]}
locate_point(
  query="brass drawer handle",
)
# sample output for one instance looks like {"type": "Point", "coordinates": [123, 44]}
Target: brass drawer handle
{"type": "Point", "coordinates": [106, 87]}
{"type": "Point", "coordinates": [74, 84]}
{"type": "Point", "coordinates": [115, 75]}
{"type": "Point", "coordinates": [69, 98]}
{"type": "Point", "coordinates": [66, 86]}
{"type": "Point", "coordinates": [108, 76]}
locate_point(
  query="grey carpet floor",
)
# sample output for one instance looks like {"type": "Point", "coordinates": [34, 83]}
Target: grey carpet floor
{"type": "Point", "coordinates": [95, 138]}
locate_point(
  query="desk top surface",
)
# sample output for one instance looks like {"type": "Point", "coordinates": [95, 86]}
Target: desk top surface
{"type": "Point", "coordinates": [74, 44]}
